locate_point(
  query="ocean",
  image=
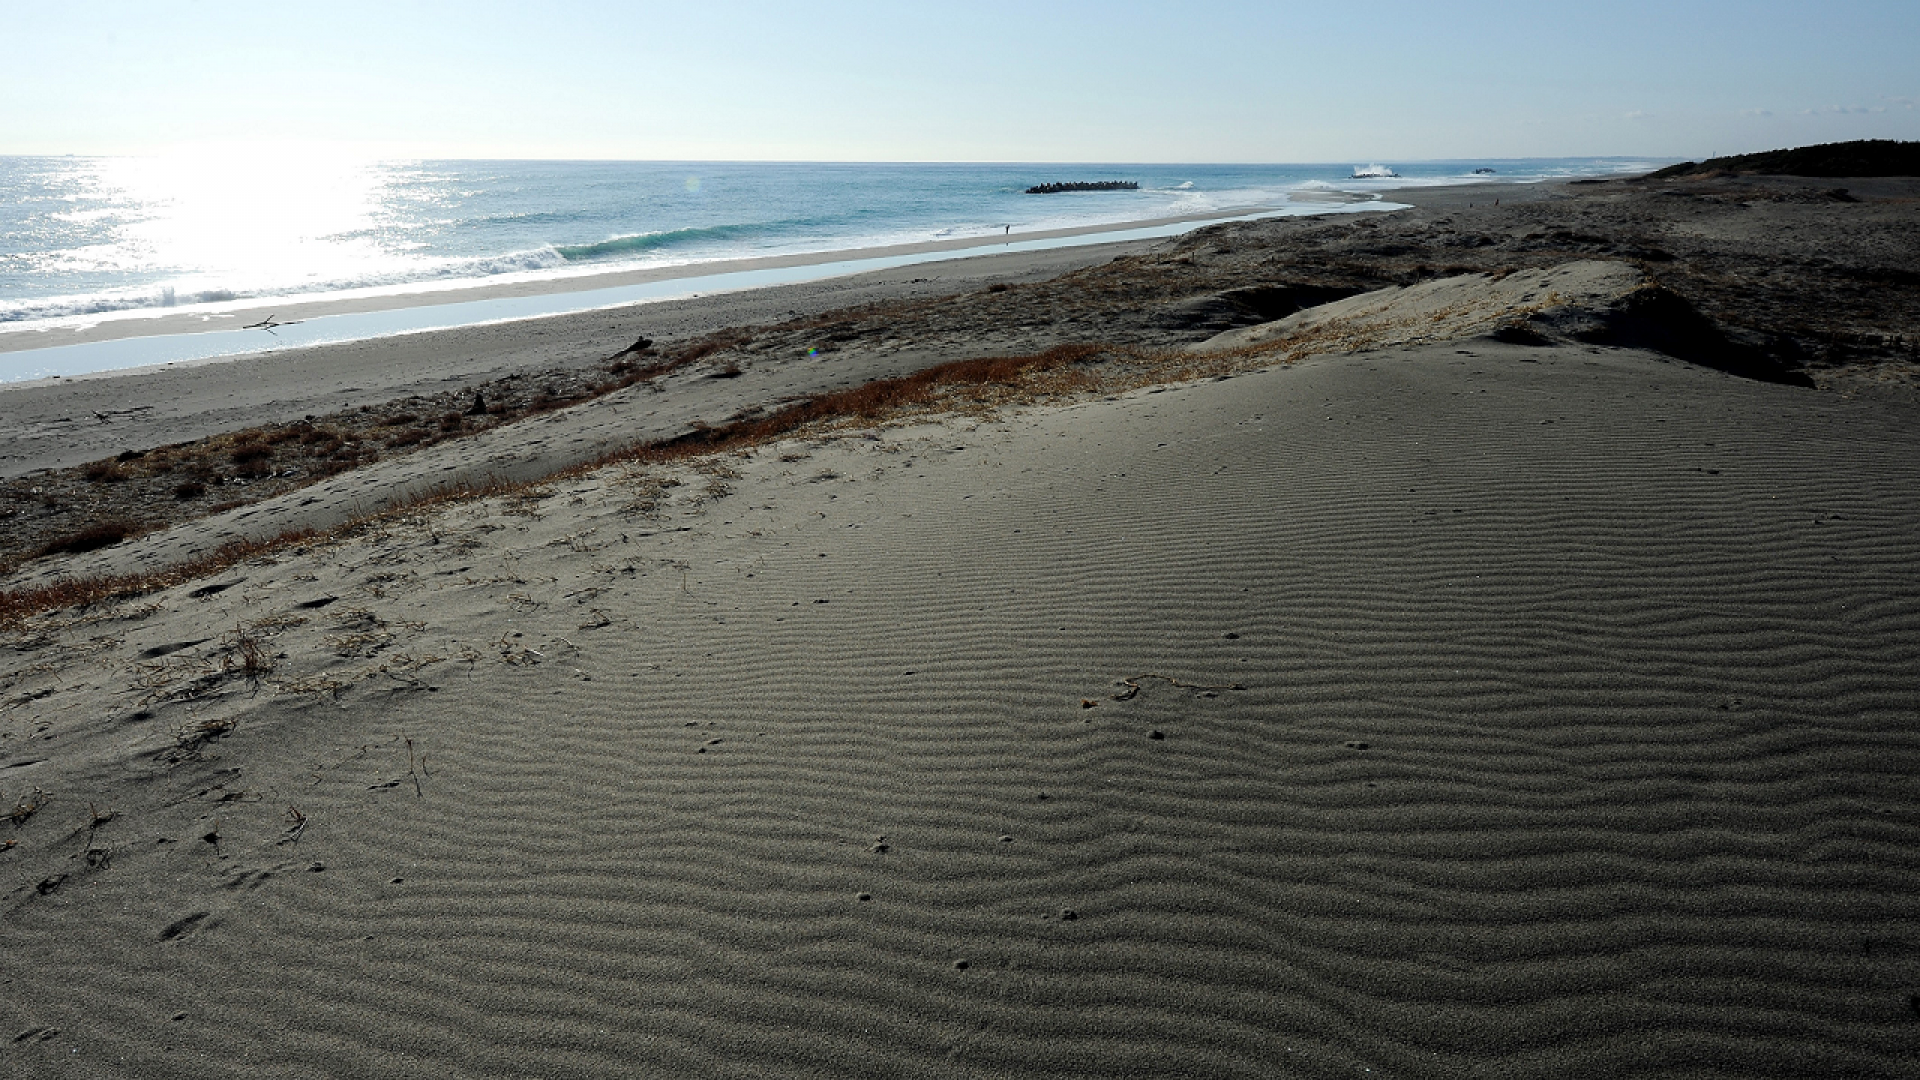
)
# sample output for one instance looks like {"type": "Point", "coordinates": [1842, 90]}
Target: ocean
{"type": "Point", "coordinates": [85, 239]}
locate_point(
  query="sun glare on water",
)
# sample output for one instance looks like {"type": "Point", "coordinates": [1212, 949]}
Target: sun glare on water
{"type": "Point", "coordinates": [266, 216]}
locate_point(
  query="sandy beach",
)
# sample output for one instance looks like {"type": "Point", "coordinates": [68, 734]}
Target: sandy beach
{"type": "Point", "coordinates": [240, 313]}
{"type": "Point", "coordinates": [1472, 641]}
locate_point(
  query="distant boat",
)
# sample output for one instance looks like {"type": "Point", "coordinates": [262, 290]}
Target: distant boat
{"type": "Point", "coordinates": [1374, 172]}
{"type": "Point", "coordinates": [1483, 171]}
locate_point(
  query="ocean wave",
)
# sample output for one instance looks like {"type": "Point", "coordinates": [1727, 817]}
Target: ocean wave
{"type": "Point", "coordinates": [525, 217]}
{"type": "Point", "coordinates": [641, 243]}
{"type": "Point", "coordinates": [164, 295]}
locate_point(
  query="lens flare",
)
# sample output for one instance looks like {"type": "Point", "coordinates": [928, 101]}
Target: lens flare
{"type": "Point", "coordinates": [275, 215]}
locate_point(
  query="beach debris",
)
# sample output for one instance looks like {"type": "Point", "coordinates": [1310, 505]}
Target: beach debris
{"type": "Point", "coordinates": [28, 806]}
{"type": "Point", "coordinates": [297, 827]}
{"type": "Point", "coordinates": [416, 767]}
{"type": "Point", "coordinates": [196, 733]}
{"type": "Point", "coordinates": [1133, 686]}
{"type": "Point", "coordinates": [269, 323]}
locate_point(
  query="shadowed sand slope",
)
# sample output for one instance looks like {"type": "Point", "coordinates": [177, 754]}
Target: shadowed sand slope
{"type": "Point", "coordinates": [1518, 712]}
{"type": "Point", "coordinates": [1443, 309]}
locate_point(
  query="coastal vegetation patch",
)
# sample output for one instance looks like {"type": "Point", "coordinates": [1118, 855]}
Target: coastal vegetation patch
{"type": "Point", "coordinates": [1861, 157]}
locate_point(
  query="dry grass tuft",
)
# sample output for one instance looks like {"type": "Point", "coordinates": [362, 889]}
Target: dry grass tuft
{"type": "Point", "coordinates": [246, 654]}
{"type": "Point", "coordinates": [17, 605]}
{"type": "Point", "coordinates": [197, 733]}
{"type": "Point", "coordinates": [92, 538]}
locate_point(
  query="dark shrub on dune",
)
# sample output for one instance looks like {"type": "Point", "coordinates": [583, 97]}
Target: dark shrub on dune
{"type": "Point", "coordinates": [91, 538]}
{"type": "Point", "coordinates": [1863, 157]}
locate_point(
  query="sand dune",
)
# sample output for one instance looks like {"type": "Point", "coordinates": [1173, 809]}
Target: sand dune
{"type": "Point", "coordinates": [1495, 711]}
{"type": "Point", "coordinates": [1584, 300]}
{"type": "Point", "coordinates": [1443, 309]}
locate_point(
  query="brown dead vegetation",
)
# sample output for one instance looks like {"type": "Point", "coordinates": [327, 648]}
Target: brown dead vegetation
{"type": "Point", "coordinates": [975, 386]}
{"type": "Point", "coordinates": [1849, 306]}
{"type": "Point", "coordinates": [872, 402]}
{"type": "Point", "coordinates": [100, 503]}
{"type": "Point", "coordinates": [91, 538]}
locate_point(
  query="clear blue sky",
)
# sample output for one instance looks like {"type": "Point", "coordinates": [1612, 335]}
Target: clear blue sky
{"type": "Point", "coordinates": [1033, 80]}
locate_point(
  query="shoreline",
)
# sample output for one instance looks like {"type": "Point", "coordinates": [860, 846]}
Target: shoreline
{"type": "Point", "coordinates": [121, 343]}
{"type": "Point", "coordinates": [233, 315]}
{"type": "Point", "coordinates": [52, 422]}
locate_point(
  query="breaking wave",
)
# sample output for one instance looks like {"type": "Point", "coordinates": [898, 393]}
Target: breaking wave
{"type": "Point", "coordinates": [643, 243]}
{"type": "Point", "coordinates": [111, 301]}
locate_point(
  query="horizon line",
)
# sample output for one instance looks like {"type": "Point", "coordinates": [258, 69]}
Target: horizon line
{"type": "Point", "coordinates": [908, 161]}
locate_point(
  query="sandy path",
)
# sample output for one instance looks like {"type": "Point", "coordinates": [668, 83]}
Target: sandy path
{"type": "Point", "coordinates": [1574, 736]}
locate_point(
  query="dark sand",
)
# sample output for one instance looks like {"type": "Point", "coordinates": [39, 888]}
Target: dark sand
{"type": "Point", "coordinates": [1496, 710]}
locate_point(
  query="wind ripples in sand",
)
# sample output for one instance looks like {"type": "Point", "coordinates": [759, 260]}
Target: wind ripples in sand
{"type": "Point", "coordinates": [1487, 746]}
